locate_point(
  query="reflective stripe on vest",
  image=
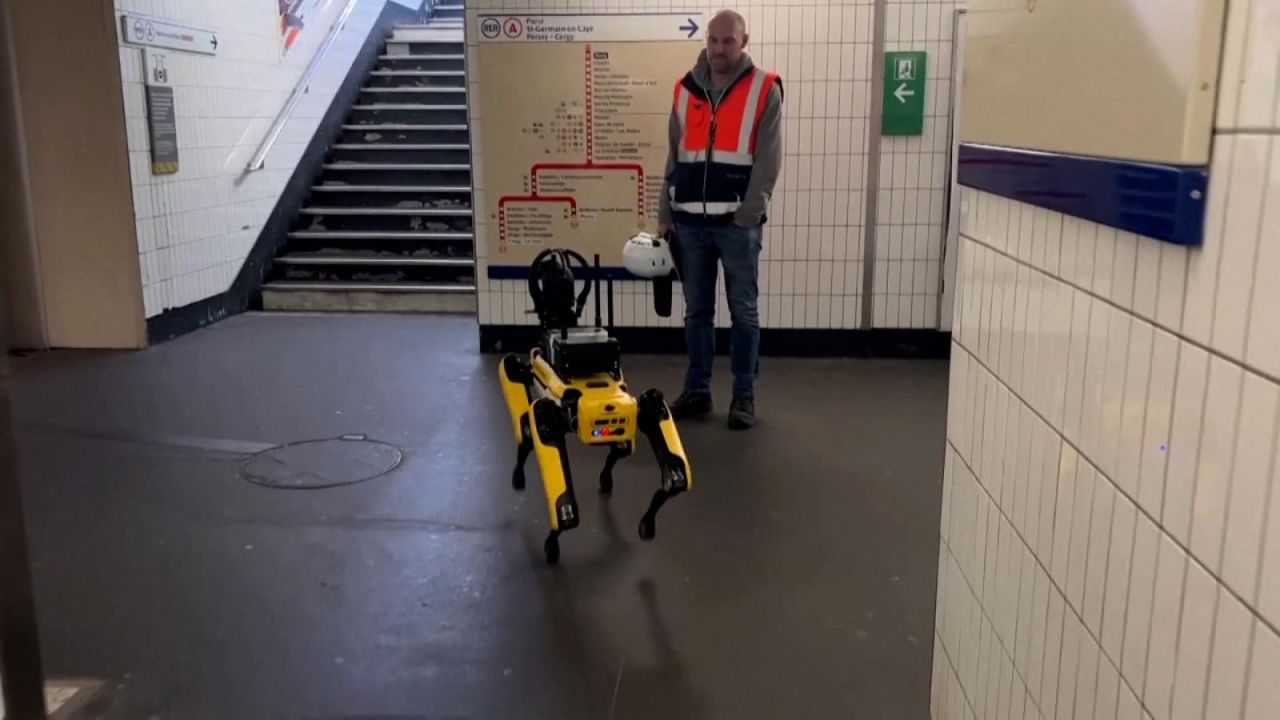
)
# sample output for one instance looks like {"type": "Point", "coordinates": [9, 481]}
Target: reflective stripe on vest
{"type": "Point", "coordinates": [710, 208]}
{"type": "Point", "coordinates": [729, 158]}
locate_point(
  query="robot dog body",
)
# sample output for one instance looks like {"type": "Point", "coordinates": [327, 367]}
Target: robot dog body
{"type": "Point", "coordinates": [571, 383]}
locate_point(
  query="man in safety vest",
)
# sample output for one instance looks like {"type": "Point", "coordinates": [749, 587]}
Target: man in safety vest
{"type": "Point", "coordinates": [725, 156]}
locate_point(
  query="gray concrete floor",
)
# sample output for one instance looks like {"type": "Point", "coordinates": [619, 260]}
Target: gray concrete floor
{"type": "Point", "coordinates": [796, 581]}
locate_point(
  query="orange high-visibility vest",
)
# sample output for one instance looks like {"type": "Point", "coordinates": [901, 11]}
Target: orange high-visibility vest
{"type": "Point", "coordinates": [717, 143]}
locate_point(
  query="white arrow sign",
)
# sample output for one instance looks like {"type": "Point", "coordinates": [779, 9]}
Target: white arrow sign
{"type": "Point", "coordinates": [902, 93]}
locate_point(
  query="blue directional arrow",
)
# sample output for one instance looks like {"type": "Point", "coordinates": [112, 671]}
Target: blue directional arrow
{"type": "Point", "coordinates": [690, 27]}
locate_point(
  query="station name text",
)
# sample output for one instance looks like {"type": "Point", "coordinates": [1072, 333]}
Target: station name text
{"type": "Point", "coordinates": [539, 29]}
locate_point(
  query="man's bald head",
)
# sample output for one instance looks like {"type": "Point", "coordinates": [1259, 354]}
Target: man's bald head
{"type": "Point", "coordinates": [726, 40]}
{"type": "Point", "coordinates": [729, 21]}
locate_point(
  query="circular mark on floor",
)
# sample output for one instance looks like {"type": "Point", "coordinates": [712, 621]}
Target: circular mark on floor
{"type": "Point", "coordinates": [312, 464]}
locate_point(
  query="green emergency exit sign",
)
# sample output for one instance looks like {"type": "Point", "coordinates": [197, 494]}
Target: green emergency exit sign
{"type": "Point", "coordinates": [903, 93]}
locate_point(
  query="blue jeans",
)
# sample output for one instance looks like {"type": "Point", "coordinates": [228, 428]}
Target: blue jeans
{"type": "Point", "coordinates": [738, 249]}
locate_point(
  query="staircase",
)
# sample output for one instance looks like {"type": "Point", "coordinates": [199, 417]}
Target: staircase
{"type": "Point", "coordinates": [388, 224]}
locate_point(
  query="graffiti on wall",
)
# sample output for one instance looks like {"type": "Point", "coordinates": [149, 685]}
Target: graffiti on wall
{"type": "Point", "coordinates": [293, 15]}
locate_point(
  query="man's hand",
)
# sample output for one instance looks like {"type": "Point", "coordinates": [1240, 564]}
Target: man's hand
{"type": "Point", "coordinates": [665, 229]}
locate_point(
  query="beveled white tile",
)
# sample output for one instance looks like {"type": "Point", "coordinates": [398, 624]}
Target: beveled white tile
{"type": "Point", "coordinates": [1104, 261]}
{"type": "Point", "coordinates": [1053, 243]}
{"type": "Point", "coordinates": [986, 341]}
{"type": "Point", "coordinates": [1039, 236]}
{"type": "Point", "coordinates": [1037, 380]}
{"type": "Point", "coordinates": [1146, 278]}
{"type": "Point", "coordinates": [1137, 628]}
{"type": "Point", "coordinates": [1171, 287]}
{"type": "Point", "coordinates": [1005, 448]}
{"type": "Point", "coordinates": [1119, 567]}
{"type": "Point", "coordinates": [1069, 469]}
{"type": "Point", "coordinates": [1157, 430]}
{"type": "Point", "coordinates": [1026, 596]}
{"type": "Point", "coordinates": [1086, 256]}
{"type": "Point", "coordinates": [1108, 691]}
{"type": "Point", "coordinates": [1263, 700]}
{"type": "Point", "coordinates": [1110, 420]}
{"type": "Point", "coordinates": [1035, 486]}
{"type": "Point", "coordinates": [1124, 274]}
{"type": "Point", "coordinates": [1157, 693]}
{"type": "Point", "coordinates": [1269, 583]}
{"type": "Point", "coordinates": [1034, 667]}
{"type": "Point", "coordinates": [1104, 500]}
{"type": "Point", "coordinates": [1049, 478]}
{"type": "Point", "coordinates": [1022, 232]}
{"type": "Point", "coordinates": [978, 692]}
{"type": "Point", "coordinates": [1052, 654]}
{"type": "Point", "coordinates": [1087, 679]}
{"type": "Point", "coordinates": [1133, 408]}
{"type": "Point", "coordinates": [1263, 340]}
{"type": "Point", "coordinates": [1184, 449]}
{"type": "Point", "coordinates": [1255, 440]}
{"type": "Point", "coordinates": [1021, 336]}
{"type": "Point", "coordinates": [1240, 244]}
{"type": "Point", "coordinates": [1005, 696]}
{"type": "Point", "coordinates": [1129, 708]}
{"type": "Point", "coordinates": [1081, 520]}
{"type": "Point", "coordinates": [1021, 464]}
{"type": "Point", "coordinates": [1192, 671]}
{"type": "Point", "coordinates": [1217, 455]}
{"type": "Point", "coordinates": [1068, 268]}
{"type": "Point", "coordinates": [1073, 637]}
{"type": "Point", "coordinates": [938, 679]}
{"type": "Point", "coordinates": [1060, 298]}
{"type": "Point", "coordinates": [1231, 637]}
{"type": "Point", "coordinates": [1078, 346]}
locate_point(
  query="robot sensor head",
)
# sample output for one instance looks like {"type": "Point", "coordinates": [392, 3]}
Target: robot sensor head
{"type": "Point", "coordinates": [647, 256]}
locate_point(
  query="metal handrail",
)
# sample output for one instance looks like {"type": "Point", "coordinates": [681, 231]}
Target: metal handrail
{"type": "Point", "coordinates": [259, 160]}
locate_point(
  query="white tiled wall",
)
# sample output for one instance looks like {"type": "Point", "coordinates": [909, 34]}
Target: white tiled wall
{"type": "Point", "coordinates": [811, 273]}
{"type": "Point", "coordinates": [1111, 521]}
{"type": "Point", "coordinates": [913, 177]}
{"type": "Point", "coordinates": [196, 227]}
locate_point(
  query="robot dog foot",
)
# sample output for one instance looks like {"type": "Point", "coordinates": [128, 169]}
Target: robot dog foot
{"type": "Point", "coordinates": [551, 548]}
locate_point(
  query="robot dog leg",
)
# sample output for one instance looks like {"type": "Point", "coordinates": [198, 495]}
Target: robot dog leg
{"type": "Point", "coordinates": [677, 477]}
{"type": "Point", "coordinates": [516, 376]}
{"type": "Point", "coordinates": [550, 427]}
{"type": "Point", "coordinates": [619, 451]}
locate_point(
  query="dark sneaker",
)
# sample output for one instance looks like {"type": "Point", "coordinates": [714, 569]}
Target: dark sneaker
{"type": "Point", "coordinates": [690, 405]}
{"type": "Point", "coordinates": [742, 413]}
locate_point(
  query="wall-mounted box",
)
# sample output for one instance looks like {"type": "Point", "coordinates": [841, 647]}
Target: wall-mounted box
{"type": "Point", "coordinates": [1102, 109]}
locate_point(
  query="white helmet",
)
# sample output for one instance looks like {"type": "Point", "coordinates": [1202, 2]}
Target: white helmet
{"type": "Point", "coordinates": [647, 256]}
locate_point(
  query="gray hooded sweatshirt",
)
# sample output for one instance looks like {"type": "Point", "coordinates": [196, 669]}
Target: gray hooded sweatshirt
{"type": "Point", "coordinates": [768, 156]}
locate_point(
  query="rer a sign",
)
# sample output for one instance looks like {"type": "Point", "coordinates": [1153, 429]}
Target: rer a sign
{"type": "Point", "coordinates": [904, 76]}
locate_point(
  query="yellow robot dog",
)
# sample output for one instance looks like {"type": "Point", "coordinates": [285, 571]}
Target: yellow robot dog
{"type": "Point", "coordinates": [572, 383]}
